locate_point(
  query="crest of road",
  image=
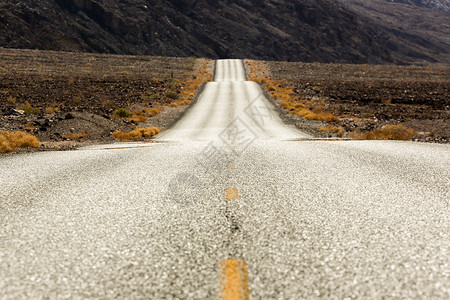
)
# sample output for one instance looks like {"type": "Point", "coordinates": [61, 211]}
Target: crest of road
{"type": "Point", "coordinates": [230, 203]}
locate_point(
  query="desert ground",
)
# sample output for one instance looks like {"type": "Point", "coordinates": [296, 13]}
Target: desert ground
{"type": "Point", "coordinates": [69, 99]}
{"type": "Point", "coordinates": [367, 97]}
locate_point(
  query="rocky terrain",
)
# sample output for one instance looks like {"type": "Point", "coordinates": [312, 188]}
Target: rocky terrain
{"type": "Point", "coordinates": [345, 31]}
{"type": "Point", "coordinates": [433, 4]}
{"type": "Point", "coordinates": [366, 97]}
{"type": "Point", "coordinates": [67, 99]}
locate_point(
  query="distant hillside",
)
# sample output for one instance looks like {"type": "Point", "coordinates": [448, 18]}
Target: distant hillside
{"type": "Point", "coordinates": [434, 4]}
{"type": "Point", "coordinates": [296, 30]}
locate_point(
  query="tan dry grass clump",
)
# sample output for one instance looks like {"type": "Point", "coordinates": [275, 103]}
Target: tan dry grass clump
{"type": "Point", "coordinates": [388, 132]}
{"type": "Point", "coordinates": [75, 136]}
{"type": "Point", "coordinates": [153, 111]}
{"type": "Point", "coordinates": [17, 139]}
{"type": "Point", "coordinates": [136, 134]}
{"type": "Point", "coordinates": [138, 117]}
{"type": "Point", "coordinates": [180, 103]}
{"type": "Point", "coordinates": [339, 130]}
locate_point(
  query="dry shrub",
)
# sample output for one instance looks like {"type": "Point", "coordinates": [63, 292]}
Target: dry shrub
{"type": "Point", "coordinates": [180, 103]}
{"type": "Point", "coordinates": [17, 139]}
{"type": "Point", "coordinates": [138, 117]}
{"type": "Point", "coordinates": [339, 130]}
{"type": "Point", "coordinates": [77, 100]}
{"type": "Point", "coordinates": [27, 108]}
{"type": "Point", "coordinates": [388, 132]}
{"type": "Point", "coordinates": [319, 115]}
{"type": "Point", "coordinates": [12, 99]}
{"type": "Point", "coordinates": [75, 136]}
{"type": "Point", "coordinates": [49, 110]}
{"type": "Point", "coordinates": [121, 113]}
{"type": "Point", "coordinates": [172, 95]}
{"type": "Point", "coordinates": [153, 111]}
{"type": "Point", "coordinates": [136, 134]}
{"type": "Point", "coordinates": [291, 105]}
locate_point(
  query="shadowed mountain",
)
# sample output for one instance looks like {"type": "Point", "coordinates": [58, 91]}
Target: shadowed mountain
{"type": "Point", "coordinates": [299, 30]}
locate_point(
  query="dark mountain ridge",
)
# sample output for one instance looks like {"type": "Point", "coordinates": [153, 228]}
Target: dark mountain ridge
{"type": "Point", "coordinates": [298, 30]}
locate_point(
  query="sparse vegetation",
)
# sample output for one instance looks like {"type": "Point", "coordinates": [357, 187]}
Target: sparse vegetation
{"type": "Point", "coordinates": [388, 132]}
{"type": "Point", "coordinates": [75, 136]}
{"type": "Point", "coordinates": [51, 110]}
{"type": "Point", "coordinates": [153, 111]}
{"type": "Point", "coordinates": [338, 130]}
{"type": "Point", "coordinates": [180, 103]}
{"type": "Point", "coordinates": [121, 113]}
{"type": "Point", "coordinates": [172, 95]}
{"type": "Point", "coordinates": [12, 99]}
{"type": "Point", "coordinates": [28, 109]}
{"type": "Point", "coordinates": [138, 117]}
{"type": "Point", "coordinates": [9, 141]}
{"type": "Point", "coordinates": [281, 91]}
{"type": "Point", "coordinates": [136, 134]}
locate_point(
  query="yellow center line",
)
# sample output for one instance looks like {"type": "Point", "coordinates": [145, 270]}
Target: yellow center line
{"type": "Point", "coordinates": [232, 194]}
{"type": "Point", "coordinates": [234, 280]}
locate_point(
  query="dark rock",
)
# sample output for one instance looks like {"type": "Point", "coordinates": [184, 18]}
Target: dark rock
{"type": "Point", "coordinates": [298, 30]}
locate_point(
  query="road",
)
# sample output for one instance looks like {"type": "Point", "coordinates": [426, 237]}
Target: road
{"type": "Point", "coordinates": [230, 203]}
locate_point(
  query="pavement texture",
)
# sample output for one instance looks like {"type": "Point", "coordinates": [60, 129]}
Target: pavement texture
{"type": "Point", "coordinates": [230, 203]}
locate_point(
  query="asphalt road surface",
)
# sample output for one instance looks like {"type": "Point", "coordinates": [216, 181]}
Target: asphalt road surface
{"type": "Point", "coordinates": [229, 203]}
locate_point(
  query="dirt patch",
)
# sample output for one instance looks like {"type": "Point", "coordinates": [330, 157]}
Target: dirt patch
{"type": "Point", "coordinates": [367, 97]}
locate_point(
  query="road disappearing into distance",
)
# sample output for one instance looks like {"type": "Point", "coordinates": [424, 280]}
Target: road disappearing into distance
{"type": "Point", "coordinates": [229, 203]}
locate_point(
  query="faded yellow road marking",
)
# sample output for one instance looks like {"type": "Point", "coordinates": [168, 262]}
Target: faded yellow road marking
{"type": "Point", "coordinates": [234, 280]}
{"type": "Point", "coordinates": [231, 165]}
{"type": "Point", "coordinates": [232, 194]}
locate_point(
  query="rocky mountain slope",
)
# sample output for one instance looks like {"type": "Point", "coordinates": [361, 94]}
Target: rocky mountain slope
{"type": "Point", "coordinates": [295, 30]}
{"type": "Point", "coordinates": [434, 4]}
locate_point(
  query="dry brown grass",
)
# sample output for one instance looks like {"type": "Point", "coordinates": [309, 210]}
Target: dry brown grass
{"type": "Point", "coordinates": [190, 86]}
{"type": "Point", "coordinates": [339, 130]}
{"type": "Point", "coordinates": [388, 132]}
{"type": "Point", "coordinates": [17, 139]}
{"type": "Point", "coordinates": [153, 111]}
{"type": "Point", "coordinates": [50, 110]}
{"type": "Point", "coordinates": [180, 103]}
{"type": "Point", "coordinates": [136, 134]}
{"type": "Point", "coordinates": [281, 90]}
{"type": "Point", "coordinates": [138, 117]}
{"type": "Point", "coordinates": [75, 136]}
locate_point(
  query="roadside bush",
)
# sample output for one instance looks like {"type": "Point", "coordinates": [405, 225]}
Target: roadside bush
{"type": "Point", "coordinates": [136, 134]}
{"type": "Point", "coordinates": [172, 95]}
{"type": "Point", "coordinates": [28, 109]}
{"type": "Point", "coordinates": [339, 130]}
{"type": "Point", "coordinates": [18, 139]}
{"type": "Point", "coordinates": [181, 103]}
{"type": "Point", "coordinates": [138, 117]}
{"type": "Point", "coordinates": [121, 113]}
{"type": "Point", "coordinates": [388, 132]}
{"type": "Point", "coordinates": [153, 111]}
